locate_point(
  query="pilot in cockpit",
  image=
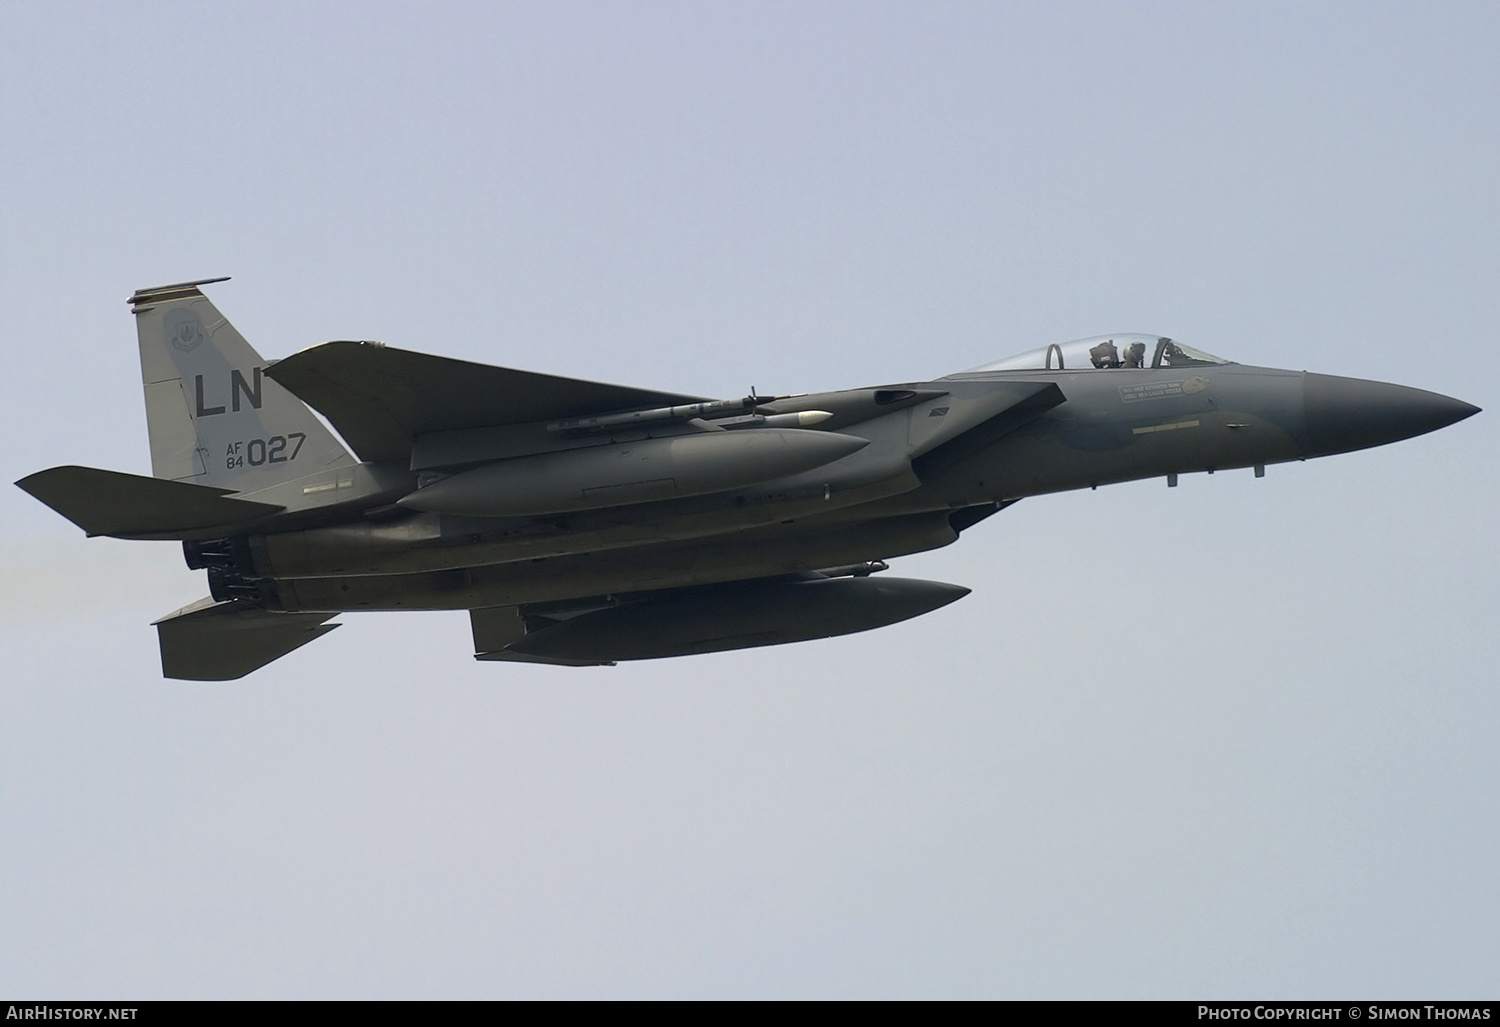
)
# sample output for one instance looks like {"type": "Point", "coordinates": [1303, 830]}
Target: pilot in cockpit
{"type": "Point", "coordinates": [1135, 355]}
{"type": "Point", "coordinates": [1105, 354]}
{"type": "Point", "coordinates": [1172, 355]}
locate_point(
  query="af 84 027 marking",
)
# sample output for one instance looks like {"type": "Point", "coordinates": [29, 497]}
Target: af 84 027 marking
{"type": "Point", "coordinates": [256, 452]}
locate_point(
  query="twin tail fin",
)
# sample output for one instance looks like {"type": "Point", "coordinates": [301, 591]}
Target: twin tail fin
{"type": "Point", "coordinates": [214, 417]}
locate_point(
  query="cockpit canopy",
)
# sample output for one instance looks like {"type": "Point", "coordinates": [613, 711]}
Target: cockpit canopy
{"type": "Point", "coordinates": [1106, 352]}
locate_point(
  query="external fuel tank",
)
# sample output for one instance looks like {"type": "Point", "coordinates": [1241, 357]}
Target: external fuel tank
{"type": "Point", "coordinates": [735, 617]}
{"type": "Point", "coordinates": [624, 473]}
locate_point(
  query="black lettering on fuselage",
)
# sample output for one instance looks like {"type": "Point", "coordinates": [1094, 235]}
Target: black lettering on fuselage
{"type": "Point", "coordinates": [237, 385]}
{"type": "Point", "coordinates": [204, 411]}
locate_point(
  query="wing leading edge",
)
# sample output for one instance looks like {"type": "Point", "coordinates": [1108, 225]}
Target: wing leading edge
{"type": "Point", "coordinates": [380, 398]}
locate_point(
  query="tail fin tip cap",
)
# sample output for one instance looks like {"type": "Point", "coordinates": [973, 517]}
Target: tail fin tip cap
{"type": "Point", "coordinates": [156, 292]}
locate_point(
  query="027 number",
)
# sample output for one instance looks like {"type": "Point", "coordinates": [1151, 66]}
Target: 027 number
{"type": "Point", "coordinates": [256, 452]}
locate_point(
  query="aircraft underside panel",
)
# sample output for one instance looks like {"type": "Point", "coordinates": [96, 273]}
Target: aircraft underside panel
{"type": "Point", "coordinates": [684, 565]}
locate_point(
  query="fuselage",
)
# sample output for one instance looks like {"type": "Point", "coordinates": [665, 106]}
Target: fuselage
{"type": "Point", "coordinates": [1112, 424]}
{"type": "Point", "coordinates": [582, 523]}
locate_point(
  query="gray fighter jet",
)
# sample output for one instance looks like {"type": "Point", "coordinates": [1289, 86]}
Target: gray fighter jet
{"type": "Point", "coordinates": [582, 524]}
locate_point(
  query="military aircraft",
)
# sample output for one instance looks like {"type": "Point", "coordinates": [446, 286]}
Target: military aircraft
{"type": "Point", "coordinates": [582, 524]}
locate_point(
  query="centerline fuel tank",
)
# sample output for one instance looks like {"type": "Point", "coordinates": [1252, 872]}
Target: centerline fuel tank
{"type": "Point", "coordinates": [734, 617]}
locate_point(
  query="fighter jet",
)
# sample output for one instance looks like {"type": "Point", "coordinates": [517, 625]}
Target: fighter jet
{"type": "Point", "coordinates": [582, 524]}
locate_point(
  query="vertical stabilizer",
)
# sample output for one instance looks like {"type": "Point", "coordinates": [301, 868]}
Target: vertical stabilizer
{"type": "Point", "coordinates": [214, 416]}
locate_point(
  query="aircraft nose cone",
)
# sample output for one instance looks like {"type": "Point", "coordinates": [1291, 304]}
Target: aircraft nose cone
{"type": "Point", "coordinates": [1345, 414]}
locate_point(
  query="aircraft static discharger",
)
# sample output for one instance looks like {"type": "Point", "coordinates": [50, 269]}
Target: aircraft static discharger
{"type": "Point", "coordinates": [581, 523]}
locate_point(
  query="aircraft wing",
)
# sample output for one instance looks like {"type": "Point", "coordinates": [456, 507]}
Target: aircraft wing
{"type": "Point", "coordinates": [380, 398]}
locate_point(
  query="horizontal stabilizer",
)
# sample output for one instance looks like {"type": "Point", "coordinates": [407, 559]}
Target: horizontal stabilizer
{"type": "Point", "coordinates": [379, 398]}
{"type": "Point", "coordinates": [135, 506]}
{"type": "Point", "coordinates": [211, 641]}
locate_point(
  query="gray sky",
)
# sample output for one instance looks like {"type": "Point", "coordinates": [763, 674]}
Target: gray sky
{"type": "Point", "coordinates": [1233, 739]}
